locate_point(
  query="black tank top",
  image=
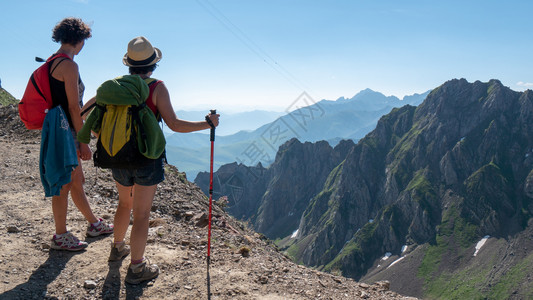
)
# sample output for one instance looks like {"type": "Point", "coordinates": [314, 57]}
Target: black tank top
{"type": "Point", "coordinates": [59, 95]}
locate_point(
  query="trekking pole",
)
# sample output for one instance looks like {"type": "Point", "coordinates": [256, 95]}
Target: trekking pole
{"type": "Point", "coordinates": [212, 139]}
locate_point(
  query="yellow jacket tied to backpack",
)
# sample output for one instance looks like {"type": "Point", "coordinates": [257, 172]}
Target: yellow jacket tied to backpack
{"type": "Point", "coordinates": [120, 116]}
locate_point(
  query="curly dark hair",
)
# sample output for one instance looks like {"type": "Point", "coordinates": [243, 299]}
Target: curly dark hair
{"type": "Point", "coordinates": [71, 31]}
{"type": "Point", "coordinates": [142, 70]}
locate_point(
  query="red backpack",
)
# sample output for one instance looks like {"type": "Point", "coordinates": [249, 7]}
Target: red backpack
{"type": "Point", "coordinates": [37, 98]}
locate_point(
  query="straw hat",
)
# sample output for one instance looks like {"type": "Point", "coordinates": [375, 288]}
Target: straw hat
{"type": "Point", "coordinates": [141, 53]}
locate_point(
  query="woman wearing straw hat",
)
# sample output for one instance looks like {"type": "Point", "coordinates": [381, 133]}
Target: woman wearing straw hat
{"type": "Point", "coordinates": [137, 187]}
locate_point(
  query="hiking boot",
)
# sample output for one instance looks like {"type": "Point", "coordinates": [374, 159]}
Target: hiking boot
{"type": "Point", "coordinates": [141, 272]}
{"type": "Point", "coordinates": [118, 253]}
{"type": "Point", "coordinates": [67, 242]}
{"type": "Point", "coordinates": [102, 228]}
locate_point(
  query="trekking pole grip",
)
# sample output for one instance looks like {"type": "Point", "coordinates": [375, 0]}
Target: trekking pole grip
{"type": "Point", "coordinates": [213, 112]}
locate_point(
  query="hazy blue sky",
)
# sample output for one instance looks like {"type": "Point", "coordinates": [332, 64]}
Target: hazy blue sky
{"type": "Point", "coordinates": [240, 55]}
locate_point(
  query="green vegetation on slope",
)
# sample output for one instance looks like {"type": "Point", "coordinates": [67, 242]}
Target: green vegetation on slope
{"type": "Point", "coordinates": [6, 98]}
{"type": "Point", "coordinates": [354, 248]}
{"type": "Point", "coordinates": [326, 219]}
{"type": "Point", "coordinates": [510, 281]}
{"type": "Point", "coordinates": [423, 193]}
{"type": "Point", "coordinates": [489, 187]}
{"type": "Point", "coordinates": [470, 282]}
{"type": "Point", "coordinates": [325, 197]}
{"type": "Point", "coordinates": [454, 239]}
{"type": "Point", "coordinates": [401, 151]}
{"type": "Point", "coordinates": [464, 284]}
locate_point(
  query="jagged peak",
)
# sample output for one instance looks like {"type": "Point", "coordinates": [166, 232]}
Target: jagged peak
{"type": "Point", "coordinates": [495, 81]}
{"type": "Point", "coordinates": [527, 94]}
{"type": "Point", "coordinates": [341, 99]}
{"type": "Point", "coordinates": [462, 82]}
{"type": "Point", "coordinates": [291, 142]}
{"type": "Point", "coordinates": [461, 93]}
{"type": "Point", "coordinates": [369, 92]}
{"type": "Point", "coordinates": [344, 144]}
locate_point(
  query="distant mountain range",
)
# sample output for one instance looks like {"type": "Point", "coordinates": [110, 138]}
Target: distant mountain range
{"type": "Point", "coordinates": [306, 119]}
{"type": "Point", "coordinates": [437, 199]}
{"type": "Point", "coordinates": [232, 123]}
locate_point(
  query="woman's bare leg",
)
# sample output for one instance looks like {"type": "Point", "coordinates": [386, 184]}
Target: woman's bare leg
{"type": "Point", "coordinates": [122, 215]}
{"type": "Point", "coordinates": [143, 197]}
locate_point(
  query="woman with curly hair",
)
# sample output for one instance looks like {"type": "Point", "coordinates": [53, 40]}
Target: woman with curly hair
{"type": "Point", "coordinates": [67, 92]}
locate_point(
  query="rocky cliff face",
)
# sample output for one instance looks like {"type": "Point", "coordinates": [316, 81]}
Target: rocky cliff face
{"type": "Point", "coordinates": [446, 173]}
{"type": "Point", "coordinates": [459, 159]}
{"type": "Point", "coordinates": [274, 199]}
{"type": "Point", "coordinates": [243, 186]}
{"type": "Point", "coordinates": [297, 175]}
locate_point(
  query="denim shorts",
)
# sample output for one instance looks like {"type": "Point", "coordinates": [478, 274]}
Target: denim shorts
{"type": "Point", "coordinates": [148, 175]}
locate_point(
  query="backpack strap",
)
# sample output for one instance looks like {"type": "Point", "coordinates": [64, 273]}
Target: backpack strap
{"type": "Point", "coordinates": [57, 55]}
{"type": "Point", "coordinates": [55, 67]}
{"type": "Point", "coordinates": [51, 59]}
{"type": "Point", "coordinates": [152, 84]}
{"type": "Point", "coordinates": [88, 109]}
{"type": "Point", "coordinates": [134, 111]}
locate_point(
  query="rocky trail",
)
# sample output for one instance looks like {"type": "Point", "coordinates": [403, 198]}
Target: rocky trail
{"type": "Point", "coordinates": [244, 265]}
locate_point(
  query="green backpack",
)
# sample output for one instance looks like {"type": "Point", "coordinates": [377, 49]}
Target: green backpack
{"type": "Point", "coordinates": [129, 135]}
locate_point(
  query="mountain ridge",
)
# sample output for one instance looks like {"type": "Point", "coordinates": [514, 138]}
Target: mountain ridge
{"type": "Point", "coordinates": [434, 179]}
{"type": "Point", "coordinates": [306, 119]}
